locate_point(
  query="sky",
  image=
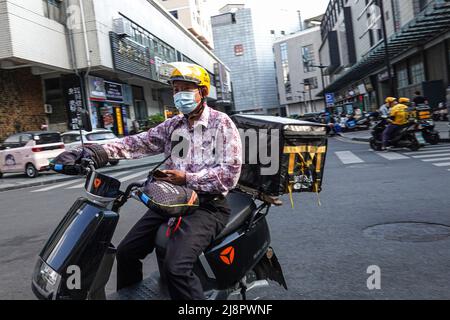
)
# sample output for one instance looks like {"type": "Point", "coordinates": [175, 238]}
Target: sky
{"type": "Point", "coordinates": [308, 8]}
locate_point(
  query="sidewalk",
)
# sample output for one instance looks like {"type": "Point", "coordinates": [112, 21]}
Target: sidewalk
{"type": "Point", "coordinates": [20, 181]}
{"type": "Point", "coordinates": [364, 136]}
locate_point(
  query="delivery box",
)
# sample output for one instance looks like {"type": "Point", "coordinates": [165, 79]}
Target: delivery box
{"type": "Point", "coordinates": [281, 155]}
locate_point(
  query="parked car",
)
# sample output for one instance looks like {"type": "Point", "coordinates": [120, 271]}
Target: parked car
{"type": "Point", "coordinates": [72, 139]}
{"type": "Point", "coordinates": [29, 152]}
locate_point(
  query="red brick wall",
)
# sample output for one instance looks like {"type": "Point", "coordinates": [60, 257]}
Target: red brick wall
{"type": "Point", "coordinates": [21, 102]}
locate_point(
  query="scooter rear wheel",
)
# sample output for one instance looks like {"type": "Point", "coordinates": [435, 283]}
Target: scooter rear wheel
{"type": "Point", "coordinates": [375, 145]}
{"type": "Point", "coordinates": [434, 139]}
{"type": "Point", "coordinates": [415, 145]}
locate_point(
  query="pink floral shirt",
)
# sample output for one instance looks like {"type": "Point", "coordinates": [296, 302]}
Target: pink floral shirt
{"type": "Point", "coordinates": [212, 157]}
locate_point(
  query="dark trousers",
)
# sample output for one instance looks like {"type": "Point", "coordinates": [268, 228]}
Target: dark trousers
{"type": "Point", "coordinates": [196, 233]}
{"type": "Point", "coordinates": [388, 133]}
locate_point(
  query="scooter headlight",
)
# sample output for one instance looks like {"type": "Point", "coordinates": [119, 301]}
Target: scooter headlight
{"type": "Point", "coordinates": [45, 280]}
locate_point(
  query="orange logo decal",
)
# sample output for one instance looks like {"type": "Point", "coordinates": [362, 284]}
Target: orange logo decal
{"type": "Point", "coordinates": [227, 255]}
{"type": "Point", "coordinates": [97, 183]}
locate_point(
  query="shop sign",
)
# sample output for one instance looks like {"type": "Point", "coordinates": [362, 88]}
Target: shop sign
{"type": "Point", "coordinates": [97, 88]}
{"type": "Point", "coordinates": [73, 99]}
{"type": "Point", "coordinates": [113, 91]}
{"type": "Point", "coordinates": [132, 58]}
{"type": "Point", "coordinates": [119, 121]}
{"type": "Point", "coordinates": [383, 76]}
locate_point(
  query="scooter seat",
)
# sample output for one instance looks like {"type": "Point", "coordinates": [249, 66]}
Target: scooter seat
{"type": "Point", "coordinates": [242, 206]}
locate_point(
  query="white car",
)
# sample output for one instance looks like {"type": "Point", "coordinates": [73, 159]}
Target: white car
{"type": "Point", "coordinates": [29, 152]}
{"type": "Point", "coordinates": [72, 139]}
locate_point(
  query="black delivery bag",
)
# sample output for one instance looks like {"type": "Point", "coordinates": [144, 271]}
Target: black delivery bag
{"type": "Point", "coordinates": [287, 156]}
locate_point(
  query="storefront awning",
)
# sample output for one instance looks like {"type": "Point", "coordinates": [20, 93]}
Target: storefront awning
{"type": "Point", "coordinates": [429, 24]}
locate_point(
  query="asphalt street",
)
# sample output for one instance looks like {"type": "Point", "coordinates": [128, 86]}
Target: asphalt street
{"type": "Point", "coordinates": [325, 251]}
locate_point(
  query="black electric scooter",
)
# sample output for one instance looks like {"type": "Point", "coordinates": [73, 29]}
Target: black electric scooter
{"type": "Point", "coordinates": [239, 260]}
{"type": "Point", "coordinates": [407, 136]}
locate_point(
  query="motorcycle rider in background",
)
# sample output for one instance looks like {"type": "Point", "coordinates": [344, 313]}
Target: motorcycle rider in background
{"type": "Point", "coordinates": [399, 116]}
{"type": "Point", "coordinates": [384, 109]}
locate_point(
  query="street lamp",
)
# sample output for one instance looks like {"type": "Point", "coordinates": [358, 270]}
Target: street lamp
{"type": "Point", "coordinates": [386, 48]}
{"type": "Point", "coordinates": [308, 87]}
{"type": "Point", "coordinates": [321, 67]}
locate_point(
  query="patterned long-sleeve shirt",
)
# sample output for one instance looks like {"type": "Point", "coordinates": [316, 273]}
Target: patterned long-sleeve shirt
{"type": "Point", "coordinates": [212, 156]}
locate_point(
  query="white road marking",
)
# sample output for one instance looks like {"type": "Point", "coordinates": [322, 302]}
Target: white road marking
{"type": "Point", "coordinates": [81, 185]}
{"type": "Point", "coordinates": [426, 151]}
{"type": "Point", "coordinates": [348, 157]}
{"type": "Point", "coordinates": [444, 164]}
{"type": "Point", "coordinates": [392, 156]}
{"type": "Point", "coordinates": [133, 176]}
{"type": "Point", "coordinates": [436, 159]}
{"type": "Point", "coordinates": [56, 186]}
{"type": "Point", "coordinates": [432, 155]}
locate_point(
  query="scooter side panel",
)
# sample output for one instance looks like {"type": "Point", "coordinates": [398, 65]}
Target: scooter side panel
{"type": "Point", "coordinates": [237, 254]}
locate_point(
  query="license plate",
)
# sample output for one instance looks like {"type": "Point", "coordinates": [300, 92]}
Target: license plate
{"type": "Point", "coordinates": [419, 137]}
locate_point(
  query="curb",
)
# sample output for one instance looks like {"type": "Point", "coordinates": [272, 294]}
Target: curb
{"type": "Point", "coordinates": [52, 181]}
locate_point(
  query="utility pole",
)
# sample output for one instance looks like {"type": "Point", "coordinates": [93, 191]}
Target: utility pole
{"type": "Point", "coordinates": [386, 48]}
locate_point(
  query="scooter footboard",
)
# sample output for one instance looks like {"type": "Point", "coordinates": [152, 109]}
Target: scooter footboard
{"type": "Point", "coordinates": [97, 291]}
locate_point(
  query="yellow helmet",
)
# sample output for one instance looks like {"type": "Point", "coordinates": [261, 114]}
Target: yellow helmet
{"type": "Point", "coordinates": [390, 99]}
{"type": "Point", "coordinates": [183, 71]}
{"type": "Point", "coordinates": [404, 100]}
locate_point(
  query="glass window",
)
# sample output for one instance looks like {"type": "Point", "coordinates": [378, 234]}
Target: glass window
{"type": "Point", "coordinates": [308, 58]}
{"type": "Point", "coordinates": [285, 68]}
{"type": "Point", "coordinates": [99, 136]}
{"type": "Point", "coordinates": [25, 138]}
{"type": "Point", "coordinates": [402, 77]}
{"type": "Point", "coordinates": [69, 138]}
{"type": "Point", "coordinates": [45, 138]}
{"type": "Point", "coordinates": [417, 72]}
{"type": "Point", "coordinates": [52, 10]}
{"type": "Point", "coordinates": [13, 139]}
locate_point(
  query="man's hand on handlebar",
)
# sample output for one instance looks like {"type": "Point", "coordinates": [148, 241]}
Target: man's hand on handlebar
{"type": "Point", "coordinates": [74, 162]}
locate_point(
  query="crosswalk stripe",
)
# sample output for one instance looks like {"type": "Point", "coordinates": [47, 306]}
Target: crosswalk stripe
{"type": "Point", "coordinates": [425, 151]}
{"type": "Point", "coordinates": [133, 176]}
{"type": "Point", "coordinates": [348, 157]}
{"type": "Point", "coordinates": [444, 164]}
{"type": "Point", "coordinates": [436, 159]}
{"type": "Point", "coordinates": [81, 185]}
{"type": "Point", "coordinates": [55, 186]}
{"type": "Point", "coordinates": [392, 156]}
{"type": "Point", "coordinates": [432, 155]}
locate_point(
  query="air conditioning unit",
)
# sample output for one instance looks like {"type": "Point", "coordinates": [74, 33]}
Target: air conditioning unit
{"type": "Point", "coordinates": [48, 108]}
{"type": "Point", "coordinates": [123, 27]}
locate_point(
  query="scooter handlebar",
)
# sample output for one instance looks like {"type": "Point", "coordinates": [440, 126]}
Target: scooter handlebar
{"type": "Point", "coordinates": [83, 168]}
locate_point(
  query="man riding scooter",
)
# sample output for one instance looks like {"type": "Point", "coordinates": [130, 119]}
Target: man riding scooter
{"type": "Point", "coordinates": [199, 171]}
{"type": "Point", "coordinates": [399, 116]}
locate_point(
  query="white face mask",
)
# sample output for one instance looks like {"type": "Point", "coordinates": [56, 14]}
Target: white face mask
{"type": "Point", "coordinates": [185, 101]}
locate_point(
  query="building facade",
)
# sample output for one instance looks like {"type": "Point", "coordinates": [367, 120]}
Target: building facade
{"type": "Point", "coordinates": [194, 15]}
{"type": "Point", "coordinates": [104, 56]}
{"type": "Point", "coordinates": [299, 81]}
{"type": "Point", "coordinates": [243, 40]}
{"type": "Point", "coordinates": [418, 42]}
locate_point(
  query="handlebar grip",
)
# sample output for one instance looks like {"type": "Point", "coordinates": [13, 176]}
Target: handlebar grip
{"type": "Point", "coordinates": [71, 170]}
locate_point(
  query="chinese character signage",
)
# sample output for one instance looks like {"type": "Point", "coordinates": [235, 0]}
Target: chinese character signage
{"type": "Point", "coordinates": [73, 99]}
{"type": "Point", "coordinates": [113, 91]}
